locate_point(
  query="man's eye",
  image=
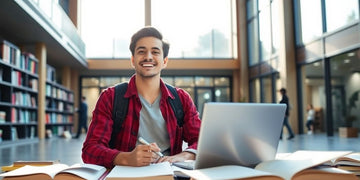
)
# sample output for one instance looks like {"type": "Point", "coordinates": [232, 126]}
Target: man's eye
{"type": "Point", "coordinates": [156, 52]}
{"type": "Point", "coordinates": [141, 52]}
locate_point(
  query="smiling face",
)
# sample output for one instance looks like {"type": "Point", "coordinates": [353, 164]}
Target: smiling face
{"type": "Point", "coordinates": [148, 59]}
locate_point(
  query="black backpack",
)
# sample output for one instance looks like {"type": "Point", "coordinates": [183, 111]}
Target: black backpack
{"type": "Point", "coordinates": [120, 108]}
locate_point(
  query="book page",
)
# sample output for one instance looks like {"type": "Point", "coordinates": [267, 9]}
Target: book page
{"type": "Point", "coordinates": [153, 170]}
{"type": "Point", "coordinates": [50, 170]}
{"type": "Point", "coordinates": [229, 172]}
{"type": "Point", "coordinates": [323, 172]}
{"type": "Point", "coordinates": [350, 159]}
{"type": "Point", "coordinates": [85, 171]}
{"type": "Point", "coordinates": [288, 166]}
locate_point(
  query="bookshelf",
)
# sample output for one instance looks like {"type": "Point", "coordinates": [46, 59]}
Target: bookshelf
{"type": "Point", "coordinates": [26, 25]}
{"type": "Point", "coordinates": [18, 93]}
{"type": "Point", "coordinates": [19, 86]}
{"type": "Point", "coordinates": [59, 105]}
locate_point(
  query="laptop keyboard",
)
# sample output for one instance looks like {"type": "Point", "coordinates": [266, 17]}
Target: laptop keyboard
{"type": "Point", "coordinates": [185, 164]}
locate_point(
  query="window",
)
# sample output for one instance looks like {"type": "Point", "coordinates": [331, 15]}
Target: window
{"type": "Point", "coordinates": [107, 27]}
{"type": "Point", "coordinates": [265, 34]}
{"type": "Point", "coordinates": [201, 88]}
{"type": "Point", "coordinates": [195, 34]}
{"type": "Point", "coordinates": [340, 13]}
{"type": "Point", "coordinates": [311, 23]}
{"type": "Point", "coordinates": [263, 30]}
{"type": "Point", "coordinates": [275, 26]}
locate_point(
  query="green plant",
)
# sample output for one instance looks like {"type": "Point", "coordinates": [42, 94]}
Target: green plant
{"type": "Point", "coordinates": [349, 118]}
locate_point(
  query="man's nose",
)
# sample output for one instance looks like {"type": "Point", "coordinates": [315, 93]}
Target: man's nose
{"type": "Point", "coordinates": [148, 56]}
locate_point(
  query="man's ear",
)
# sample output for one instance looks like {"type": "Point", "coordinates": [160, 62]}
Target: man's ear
{"type": "Point", "coordinates": [166, 60]}
{"type": "Point", "coordinates": [132, 62]}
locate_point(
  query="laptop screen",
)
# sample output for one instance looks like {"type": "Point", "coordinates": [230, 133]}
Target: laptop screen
{"type": "Point", "coordinates": [239, 133]}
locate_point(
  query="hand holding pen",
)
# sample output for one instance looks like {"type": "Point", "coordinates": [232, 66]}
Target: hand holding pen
{"type": "Point", "coordinates": [143, 141]}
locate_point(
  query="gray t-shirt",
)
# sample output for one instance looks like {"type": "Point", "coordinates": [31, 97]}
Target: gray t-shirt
{"type": "Point", "coordinates": [152, 125]}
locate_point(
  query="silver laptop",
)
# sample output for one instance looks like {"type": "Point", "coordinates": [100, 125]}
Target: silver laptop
{"type": "Point", "coordinates": [239, 133]}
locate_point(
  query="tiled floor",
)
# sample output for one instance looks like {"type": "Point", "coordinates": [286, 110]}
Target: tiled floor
{"type": "Point", "coordinates": [68, 151]}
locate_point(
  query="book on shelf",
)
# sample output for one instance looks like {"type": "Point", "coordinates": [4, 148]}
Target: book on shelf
{"type": "Point", "coordinates": [1, 73]}
{"type": "Point", "coordinates": [28, 62]}
{"type": "Point", "coordinates": [10, 52]}
{"type": "Point", "coordinates": [50, 73]}
{"type": "Point", "coordinates": [2, 116]}
{"type": "Point", "coordinates": [300, 165]}
{"type": "Point", "coordinates": [14, 134]}
{"type": "Point", "coordinates": [159, 171]}
{"type": "Point", "coordinates": [56, 171]}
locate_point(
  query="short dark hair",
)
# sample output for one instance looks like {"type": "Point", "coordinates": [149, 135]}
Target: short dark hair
{"type": "Point", "coordinates": [148, 32]}
{"type": "Point", "coordinates": [283, 90]}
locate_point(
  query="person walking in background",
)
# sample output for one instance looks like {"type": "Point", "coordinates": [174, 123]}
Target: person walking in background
{"type": "Point", "coordinates": [285, 100]}
{"type": "Point", "coordinates": [310, 118]}
{"type": "Point", "coordinates": [82, 123]}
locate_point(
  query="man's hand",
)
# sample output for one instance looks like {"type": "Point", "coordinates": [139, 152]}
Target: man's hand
{"type": "Point", "coordinates": [178, 157]}
{"type": "Point", "coordinates": [142, 155]}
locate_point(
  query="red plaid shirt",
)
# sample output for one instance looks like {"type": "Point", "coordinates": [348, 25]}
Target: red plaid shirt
{"type": "Point", "coordinates": [96, 146]}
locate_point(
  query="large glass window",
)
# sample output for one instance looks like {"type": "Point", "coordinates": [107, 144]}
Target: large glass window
{"type": "Point", "coordinates": [345, 89]}
{"type": "Point", "coordinates": [202, 89]}
{"type": "Point", "coordinates": [311, 19]}
{"type": "Point", "coordinates": [194, 34]}
{"type": "Point", "coordinates": [314, 93]}
{"type": "Point", "coordinates": [340, 13]}
{"type": "Point", "coordinates": [263, 30]}
{"type": "Point", "coordinates": [207, 34]}
{"type": "Point", "coordinates": [275, 26]}
{"type": "Point", "coordinates": [106, 26]}
{"type": "Point", "coordinates": [265, 33]}
{"type": "Point", "coordinates": [267, 89]}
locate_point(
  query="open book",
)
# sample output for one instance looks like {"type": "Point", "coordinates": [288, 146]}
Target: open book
{"type": "Point", "coordinates": [19, 164]}
{"type": "Point", "coordinates": [352, 159]}
{"type": "Point", "coordinates": [300, 165]}
{"type": "Point", "coordinates": [56, 171]}
{"type": "Point", "coordinates": [159, 171]}
{"type": "Point", "coordinates": [350, 162]}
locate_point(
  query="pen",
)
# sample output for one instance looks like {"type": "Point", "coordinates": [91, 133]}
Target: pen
{"type": "Point", "coordinates": [143, 141]}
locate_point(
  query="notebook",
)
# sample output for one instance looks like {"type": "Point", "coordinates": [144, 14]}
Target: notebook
{"type": "Point", "coordinates": [239, 133]}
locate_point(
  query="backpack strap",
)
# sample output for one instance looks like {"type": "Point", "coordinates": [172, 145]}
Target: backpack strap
{"type": "Point", "coordinates": [120, 108]}
{"type": "Point", "coordinates": [176, 105]}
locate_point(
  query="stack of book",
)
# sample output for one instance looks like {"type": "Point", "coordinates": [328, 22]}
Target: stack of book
{"type": "Point", "coordinates": [300, 165]}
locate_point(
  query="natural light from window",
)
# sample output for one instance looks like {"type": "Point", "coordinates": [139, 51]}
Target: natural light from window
{"type": "Point", "coordinates": [194, 29]}
{"type": "Point", "coordinates": [106, 26]}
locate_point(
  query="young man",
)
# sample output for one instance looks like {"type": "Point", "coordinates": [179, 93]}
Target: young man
{"type": "Point", "coordinates": [149, 113]}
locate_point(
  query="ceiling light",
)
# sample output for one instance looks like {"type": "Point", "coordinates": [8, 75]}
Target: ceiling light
{"type": "Point", "coordinates": [350, 54]}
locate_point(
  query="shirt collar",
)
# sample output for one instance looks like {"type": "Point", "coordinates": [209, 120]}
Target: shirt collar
{"type": "Point", "coordinates": [132, 91]}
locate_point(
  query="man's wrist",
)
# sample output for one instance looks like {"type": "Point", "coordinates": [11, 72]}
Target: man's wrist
{"type": "Point", "coordinates": [194, 151]}
{"type": "Point", "coordinates": [190, 154]}
{"type": "Point", "coordinates": [121, 159]}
